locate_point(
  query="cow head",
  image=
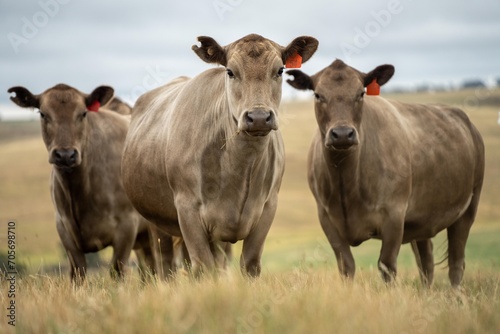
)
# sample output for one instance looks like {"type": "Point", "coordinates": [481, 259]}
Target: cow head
{"type": "Point", "coordinates": [254, 67]}
{"type": "Point", "coordinates": [63, 115]}
{"type": "Point", "coordinates": [339, 92]}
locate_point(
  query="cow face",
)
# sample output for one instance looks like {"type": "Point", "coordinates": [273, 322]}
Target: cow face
{"type": "Point", "coordinates": [254, 67]}
{"type": "Point", "coordinates": [339, 92]}
{"type": "Point", "coordinates": [63, 116]}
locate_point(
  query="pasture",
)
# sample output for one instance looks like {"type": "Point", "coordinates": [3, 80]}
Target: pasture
{"type": "Point", "coordinates": [300, 289]}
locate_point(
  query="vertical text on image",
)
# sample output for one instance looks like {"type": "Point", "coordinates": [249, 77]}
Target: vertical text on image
{"type": "Point", "coordinates": [11, 273]}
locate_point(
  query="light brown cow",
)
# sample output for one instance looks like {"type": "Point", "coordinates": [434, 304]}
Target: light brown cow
{"type": "Point", "coordinates": [119, 106]}
{"type": "Point", "coordinates": [85, 148]}
{"type": "Point", "coordinates": [204, 156]}
{"type": "Point", "coordinates": [389, 170]}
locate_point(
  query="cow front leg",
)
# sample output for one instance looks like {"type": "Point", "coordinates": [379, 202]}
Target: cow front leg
{"type": "Point", "coordinates": [196, 238]}
{"type": "Point", "coordinates": [123, 243]}
{"type": "Point", "coordinates": [341, 248]}
{"type": "Point", "coordinates": [392, 237]}
{"type": "Point", "coordinates": [76, 257]}
{"type": "Point", "coordinates": [253, 245]}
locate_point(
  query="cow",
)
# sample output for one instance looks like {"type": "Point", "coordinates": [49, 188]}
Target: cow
{"type": "Point", "coordinates": [393, 171]}
{"type": "Point", "coordinates": [118, 106]}
{"type": "Point", "coordinates": [204, 157]}
{"type": "Point", "coordinates": [92, 209]}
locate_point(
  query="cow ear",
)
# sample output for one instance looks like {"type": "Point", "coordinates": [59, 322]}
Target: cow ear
{"type": "Point", "coordinates": [99, 97]}
{"type": "Point", "coordinates": [210, 51]}
{"type": "Point", "coordinates": [24, 98]}
{"type": "Point", "coordinates": [381, 74]}
{"type": "Point", "coordinates": [300, 80]}
{"type": "Point", "coordinates": [304, 46]}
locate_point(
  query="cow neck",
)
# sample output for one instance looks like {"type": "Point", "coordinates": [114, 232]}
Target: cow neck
{"type": "Point", "coordinates": [72, 183]}
{"type": "Point", "coordinates": [77, 189]}
{"type": "Point", "coordinates": [244, 154]}
{"type": "Point", "coordinates": [344, 176]}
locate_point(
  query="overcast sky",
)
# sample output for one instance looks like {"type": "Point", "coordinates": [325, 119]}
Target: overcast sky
{"type": "Point", "coordinates": [136, 46]}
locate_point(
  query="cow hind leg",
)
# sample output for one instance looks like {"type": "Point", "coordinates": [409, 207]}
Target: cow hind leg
{"type": "Point", "coordinates": [425, 260]}
{"type": "Point", "coordinates": [457, 239]}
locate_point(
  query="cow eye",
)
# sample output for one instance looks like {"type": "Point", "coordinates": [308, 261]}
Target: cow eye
{"type": "Point", "coordinates": [280, 72]}
{"type": "Point", "coordinates": [84, 114]}
{"type": "Point", "coordinates": [230, 73]}
{"type": "Point", "coordinates": [361, 95]}
{"type": "Point", "coordinates": [42, 115]}
{"type": "Point", "coordinates": [317, 97]}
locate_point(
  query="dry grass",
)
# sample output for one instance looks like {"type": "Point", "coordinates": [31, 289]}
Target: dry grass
{"type": "Point", "coordinates": [299, 291]}
{"type": "Point", "coordinates": [299, 301]}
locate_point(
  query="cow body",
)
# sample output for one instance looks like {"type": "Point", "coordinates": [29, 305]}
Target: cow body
{"type": "Point", "coordinates": [392, 171]}
{"type": "Point", "coordinates": [85, 149]}
{"type": "Point", "coordinates": [206, 162]}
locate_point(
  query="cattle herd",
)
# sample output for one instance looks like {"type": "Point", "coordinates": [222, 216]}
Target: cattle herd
{"type": "Point", "coordinates": [197, 165]}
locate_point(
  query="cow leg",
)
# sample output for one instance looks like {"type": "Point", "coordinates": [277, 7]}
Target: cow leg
{"type": "Point", "coordinates": [77, 261]}
{"type": "Point", "coordinates": [253, 245]}
{"type": "Point", "coordinates": [342, 250]}
{"type": "Point", "coordinates": [392, 237]}
{"type": "Point", "coordinates": [78, 266]}
{"type": "Point", "coordinates": [219, 252]}
{"type": "Point", "coordinates": [425, 260]}
{"type": "Point", "coordinates": [195, 237]}
{"type": "Point", "coordinates": [457, 238]}
{"type": "Point", "coordinates": [160, 249]}
{"type": "Point", "coordinates": [122, 246]}
{"type": "Point", "coordinates": [145, 253]}
{"type": "Point", "coordinates": [165, 254]}
{"type": "Point", "coordinates": [181, 256]}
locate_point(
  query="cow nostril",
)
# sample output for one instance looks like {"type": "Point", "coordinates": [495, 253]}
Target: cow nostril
{"type": "Point", "coordinates": [335, 135]}
{"type": "Point", "coordinates": [350, 134]}
{"type": "Point", "coordinates": [270, 118]}
{"type": "Point", "coordinates": [248, 118]}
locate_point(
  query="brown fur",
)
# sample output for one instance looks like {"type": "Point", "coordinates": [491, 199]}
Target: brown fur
{"type": "Point", "coordinates": [118, 106]}
{"type": "Point", "coordinates": [392, 171]}
{"type": "Point", "coordinates": [200, 158]}
{"type": "Point", "coordinates": [85, 148]}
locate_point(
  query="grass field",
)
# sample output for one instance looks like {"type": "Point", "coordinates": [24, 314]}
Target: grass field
{"type": "Point", "coordinates": [299, 291]}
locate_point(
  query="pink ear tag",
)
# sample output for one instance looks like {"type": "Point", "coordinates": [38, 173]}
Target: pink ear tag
{"type": "Point", "coordinates": [294, 61]}
{"type": "Point", "coordinates": [94, 106]}
{"type": "Point", "coordinates": [373, 88]}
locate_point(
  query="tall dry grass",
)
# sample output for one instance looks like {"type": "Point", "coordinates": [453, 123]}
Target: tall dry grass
{"type": "Point", "coordinates": [299, 301]}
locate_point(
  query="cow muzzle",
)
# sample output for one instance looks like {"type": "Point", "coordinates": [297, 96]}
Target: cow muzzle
{"type": "Point", "coordinates": [258, 122]}
{"type": "Point", "coordinates": [65, 158]}
{"type": "Point", "coordinates": [341, 138]}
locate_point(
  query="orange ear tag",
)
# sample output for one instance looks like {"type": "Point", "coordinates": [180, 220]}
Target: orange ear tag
{"type": "Point", "coordinates": [294, 61]}
{"type": "Point", "coordinates": [94, 106]}
{"type": "Point", "coordinates": [373, 88]}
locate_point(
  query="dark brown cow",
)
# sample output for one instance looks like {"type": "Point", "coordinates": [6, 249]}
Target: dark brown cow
{"type": "Point", "coordinates": [204, 156]}
{"type": "Point", "coordinates": [85, 149]}
{"type": "Point", "coordinates": [389, 170]}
